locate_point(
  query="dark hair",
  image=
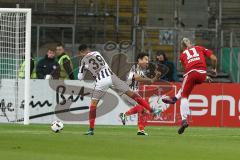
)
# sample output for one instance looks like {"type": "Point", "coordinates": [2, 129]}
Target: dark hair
{"type": "Point", "coordinates": [160, 52]}
{"type": "Point", "coordinates": [51, 49]}
{"type": "Point", "coordinates": [142, 55]}
{"type": "Point", "coordinates": [60, 45]}
{"type": "Point", "coordinates": [82, 47]}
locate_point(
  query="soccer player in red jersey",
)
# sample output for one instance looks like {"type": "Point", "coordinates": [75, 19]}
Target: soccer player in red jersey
{"type": "Point", "coordinates": [193, 60]}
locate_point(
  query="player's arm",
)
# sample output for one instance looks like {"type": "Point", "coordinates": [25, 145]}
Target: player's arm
{"type": "Point", "coordinates": [82, 71]}
{"type": "Point", "coordinates": [139, 78]}
{"type": "Point", "coordinates": [213, 59]}
{"type": "Point", "coordinates": [214, 65]}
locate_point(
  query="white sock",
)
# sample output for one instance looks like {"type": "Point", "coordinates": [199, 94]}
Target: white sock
{"type": "Point", "coordinates": [184, 108]}
{"type": "Point", "coordinates": [178, 95]}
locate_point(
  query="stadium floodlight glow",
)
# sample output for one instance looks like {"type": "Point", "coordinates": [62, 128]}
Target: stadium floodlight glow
{"type": "Point", "coordinates": [15, 44]}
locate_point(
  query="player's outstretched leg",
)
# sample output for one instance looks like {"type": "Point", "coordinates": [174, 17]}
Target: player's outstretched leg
{"type": "Point", "coordinates": [134, 110]}
{"type": "Point", "coordinates": [92, 117]}
{"type": "Point", "coordinates": [142, 102]}
{"type": "Point", "coordinates": [184, 109]}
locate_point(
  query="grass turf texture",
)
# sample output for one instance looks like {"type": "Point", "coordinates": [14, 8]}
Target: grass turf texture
{"type": "Point", "coordinates": [38, 142]}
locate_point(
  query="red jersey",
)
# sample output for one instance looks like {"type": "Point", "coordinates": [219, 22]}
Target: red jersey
{"type": "Point", "coordinates": [194, 58]}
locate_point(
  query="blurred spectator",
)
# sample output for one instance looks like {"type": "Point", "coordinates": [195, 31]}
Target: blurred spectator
{"type": "Point", "coordinates": [48, 66]}
{"type": "Point", "coordinates": [168, 72]}
{"type": "Point", "coordinates": [21, 72]}
{"type": "Point", "coordinates": [66, 67]}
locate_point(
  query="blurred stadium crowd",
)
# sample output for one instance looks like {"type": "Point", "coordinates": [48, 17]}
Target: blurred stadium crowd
{"type": "Point", "coordinates": [58, 64]}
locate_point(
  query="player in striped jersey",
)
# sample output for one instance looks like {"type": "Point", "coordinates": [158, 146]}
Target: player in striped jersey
{"type": "Point", "coordinates": [138, 74]}
{"type": "Point", "coordinates": [95, 63]}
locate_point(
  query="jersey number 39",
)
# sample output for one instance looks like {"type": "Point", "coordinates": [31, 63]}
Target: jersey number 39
{"type": "Point", "coordinates": [96, 61]}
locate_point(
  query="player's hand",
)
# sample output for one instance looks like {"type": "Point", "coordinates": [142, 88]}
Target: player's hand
{"type": "Point", "coordinates": [157, 74]}
{"type": "Point", "coordinates": [213, 72]}
{"type": "Point", "coordinates": [209, 79]}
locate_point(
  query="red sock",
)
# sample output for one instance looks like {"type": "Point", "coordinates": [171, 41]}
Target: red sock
{"type": "Point", "coordinates": [92, 116]}
{"type": "Point", "coordinates": [142, 102]}
{"type": "Point", "coordinates": [141, 121]}
{"type": "Point", "coordinates": [134, 110]}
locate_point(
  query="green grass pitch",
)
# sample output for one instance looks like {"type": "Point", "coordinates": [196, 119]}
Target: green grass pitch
{"type": "Point", "coordinates": [38, 142]}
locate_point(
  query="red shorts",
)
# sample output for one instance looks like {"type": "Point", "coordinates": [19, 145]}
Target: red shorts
{"type": "Point", "coordinates": [190, 81]}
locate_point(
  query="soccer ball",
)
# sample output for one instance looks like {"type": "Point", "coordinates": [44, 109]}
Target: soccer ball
{"type": "Point", "coordinates": [57, 126]}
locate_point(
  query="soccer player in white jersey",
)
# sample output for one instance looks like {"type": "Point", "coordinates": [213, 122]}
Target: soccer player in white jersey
{"type": "Point", "coordinates": [95, 63]}
{"type": "Point", "coordinates": [136, 75]}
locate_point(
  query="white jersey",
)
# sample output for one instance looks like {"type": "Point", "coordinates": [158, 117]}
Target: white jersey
{"type": "Point", "coordinates": [105, 78]}
{"type": "Point", "coordinates": [133, 84]}
{"type": "Point", "coordinates": [95, 63]}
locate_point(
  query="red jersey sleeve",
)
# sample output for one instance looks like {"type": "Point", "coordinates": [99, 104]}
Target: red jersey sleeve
{"type": "Point", "coordinates": [206, 51]}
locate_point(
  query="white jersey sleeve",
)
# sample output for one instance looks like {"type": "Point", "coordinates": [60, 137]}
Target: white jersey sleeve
{"type": "Point", "coordinates": [82, 70]}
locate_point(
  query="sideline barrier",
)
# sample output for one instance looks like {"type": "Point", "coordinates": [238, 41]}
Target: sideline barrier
{"type": "Point", "coordinates": [215, 104]}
